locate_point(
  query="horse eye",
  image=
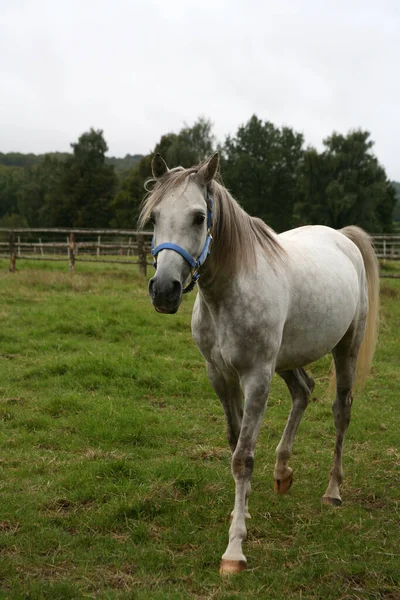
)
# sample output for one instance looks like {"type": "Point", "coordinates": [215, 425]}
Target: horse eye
{"type": "Point", "coordinates": [152, 218]}
{"type": "Point", "coordinates": [199, 219]}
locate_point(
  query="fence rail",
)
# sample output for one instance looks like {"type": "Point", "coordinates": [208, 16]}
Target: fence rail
{"type": "Point", "coordinates": [387, 247]}
{"type": "Point", "coordinates": [106, 246]}
{"type": "Point", "coordinates": [124, 246]}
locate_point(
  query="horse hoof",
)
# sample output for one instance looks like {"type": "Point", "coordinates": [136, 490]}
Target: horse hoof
{"type": "Point", "coordinates": [331, 501]}
{"type": "Point", "coordinates": [281, 486]}
{"type": "Point", "coordinates": [230, 567]}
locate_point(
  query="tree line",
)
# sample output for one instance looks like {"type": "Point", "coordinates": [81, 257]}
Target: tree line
{"type": "Point", "coordinates": [268, 169]}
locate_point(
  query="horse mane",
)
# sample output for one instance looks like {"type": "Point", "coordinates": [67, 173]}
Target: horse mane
{"type": "Point", "coordinates": [236, 235]}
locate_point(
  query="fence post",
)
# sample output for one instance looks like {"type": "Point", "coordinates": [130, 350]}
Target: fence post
{"type": "Point", "coordinates": [98, 246]}
{"type": "Point", "coordinates": [142, 255]}
{"type": "Point", "coordinates": [12, 252]}
{"type": "Point", "coordinates": [72, 252]}
{"type": "Point", "coordinates": [19, 245]}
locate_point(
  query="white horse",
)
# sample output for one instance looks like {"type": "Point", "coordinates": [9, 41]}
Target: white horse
{"type": "Point", "coordinates": [266, 303]}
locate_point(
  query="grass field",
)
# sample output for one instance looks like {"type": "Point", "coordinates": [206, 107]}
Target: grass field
{"type": "Point", "coordinates": [115, 474]}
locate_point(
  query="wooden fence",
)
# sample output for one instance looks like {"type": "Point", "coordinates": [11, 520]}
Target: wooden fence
{"type": "Point", "coordinates": [387, 247]}
{"type": "Point", "coordinates": [123, 246]}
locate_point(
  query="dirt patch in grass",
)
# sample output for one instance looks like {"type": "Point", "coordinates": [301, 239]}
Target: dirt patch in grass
{"type": "Point", "coordinates": [14, 401]}
{"type": "Point", "coordinates": [9, 527]}
{"type": "Point", "coordinates": [208, 453]}
{"type": "Point", "coordinates": [63, 506]}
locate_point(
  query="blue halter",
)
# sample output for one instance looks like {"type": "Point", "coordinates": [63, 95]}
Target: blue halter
{"type": "Point", "coordinates": [194, 264]}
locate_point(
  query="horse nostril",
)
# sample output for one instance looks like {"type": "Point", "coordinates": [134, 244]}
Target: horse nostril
{"type": "Point", "coordinates": [176, 288]}
{"type": "Point", "coordinates": [152, 291]}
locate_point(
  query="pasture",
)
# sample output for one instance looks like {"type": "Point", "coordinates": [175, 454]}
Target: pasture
{"type": "Point", "coordinates": [115, 472]}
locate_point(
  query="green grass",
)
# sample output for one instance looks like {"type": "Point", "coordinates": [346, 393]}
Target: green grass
{"type": "Point", "coordinates": [114, 468]}
{"type": "Point", "coordinates": [390, 267]}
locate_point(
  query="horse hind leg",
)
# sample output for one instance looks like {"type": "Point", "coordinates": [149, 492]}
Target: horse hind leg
{"type": "Point", "coordinates": [300, 387]}
{"type": "Point", "coordinates": [345, 356]}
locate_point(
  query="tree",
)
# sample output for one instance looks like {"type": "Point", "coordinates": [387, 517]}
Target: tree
{"type": "Point", "coordinates": [87, 184]}
{"type": "Point", "coordinates": [186, 148]}
{"type": "Point", "coordinates": [396, 213]}
{"type": "Point", "coordinates": [345, 185]}
{"type": "Point", "coordinates": [10, 181]}
{"type": "Point", "coordinates": [259, 167]}
{"type": "Point", "coordinates": [126, 203]}
{"type": "Point", "coordinates": [31, 193]}
{"type": "Point", "coordinates": [41, 197]}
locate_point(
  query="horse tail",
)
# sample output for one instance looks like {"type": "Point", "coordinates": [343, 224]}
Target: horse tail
{"type": "Point", "coordinates": [364, 243]}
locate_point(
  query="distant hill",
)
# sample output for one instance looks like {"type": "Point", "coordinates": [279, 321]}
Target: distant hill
{"type": "Point", "coordinates": [122, 164]}
{"type": "Point", "coordinates": [18, 159]}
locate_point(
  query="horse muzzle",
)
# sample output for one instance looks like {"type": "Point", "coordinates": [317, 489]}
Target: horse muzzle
{"type": "Point", "coordinates": [166, 295]}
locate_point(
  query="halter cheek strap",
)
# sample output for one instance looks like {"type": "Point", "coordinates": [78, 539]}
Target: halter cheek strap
{"type": "Point", "coordinates": [194, 264]}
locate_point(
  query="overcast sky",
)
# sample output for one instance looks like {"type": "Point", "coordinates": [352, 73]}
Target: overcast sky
{"type": "Point", "coordinates": [139, 69]}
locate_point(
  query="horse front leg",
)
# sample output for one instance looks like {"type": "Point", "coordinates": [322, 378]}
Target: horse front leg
{"type": "Point", "coordinates": [255, 385]}
{"type": "Point", "coordinates": [228, 390]}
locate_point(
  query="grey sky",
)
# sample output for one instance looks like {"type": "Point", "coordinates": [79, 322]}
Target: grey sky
{"type": "Point", "coordinates": [138, 69]}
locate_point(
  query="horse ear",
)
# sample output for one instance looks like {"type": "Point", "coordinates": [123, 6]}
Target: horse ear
{"type": "Point", "coordinates": [207, 172]}
{"type": "Point", "coordinates": [158, 166]}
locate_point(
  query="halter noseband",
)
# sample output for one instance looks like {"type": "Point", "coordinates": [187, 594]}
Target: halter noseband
{"type": "Point", "coordinates": [194, 264]}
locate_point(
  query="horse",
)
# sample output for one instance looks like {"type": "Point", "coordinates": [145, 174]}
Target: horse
{"type": "Point", "coordinates": [266, 304]}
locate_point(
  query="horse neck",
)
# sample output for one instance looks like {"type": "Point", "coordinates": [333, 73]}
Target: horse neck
{"type": "Point", "coordinates": [214, 283]}
{"type": "Point", "coordinates": [217, 273]}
